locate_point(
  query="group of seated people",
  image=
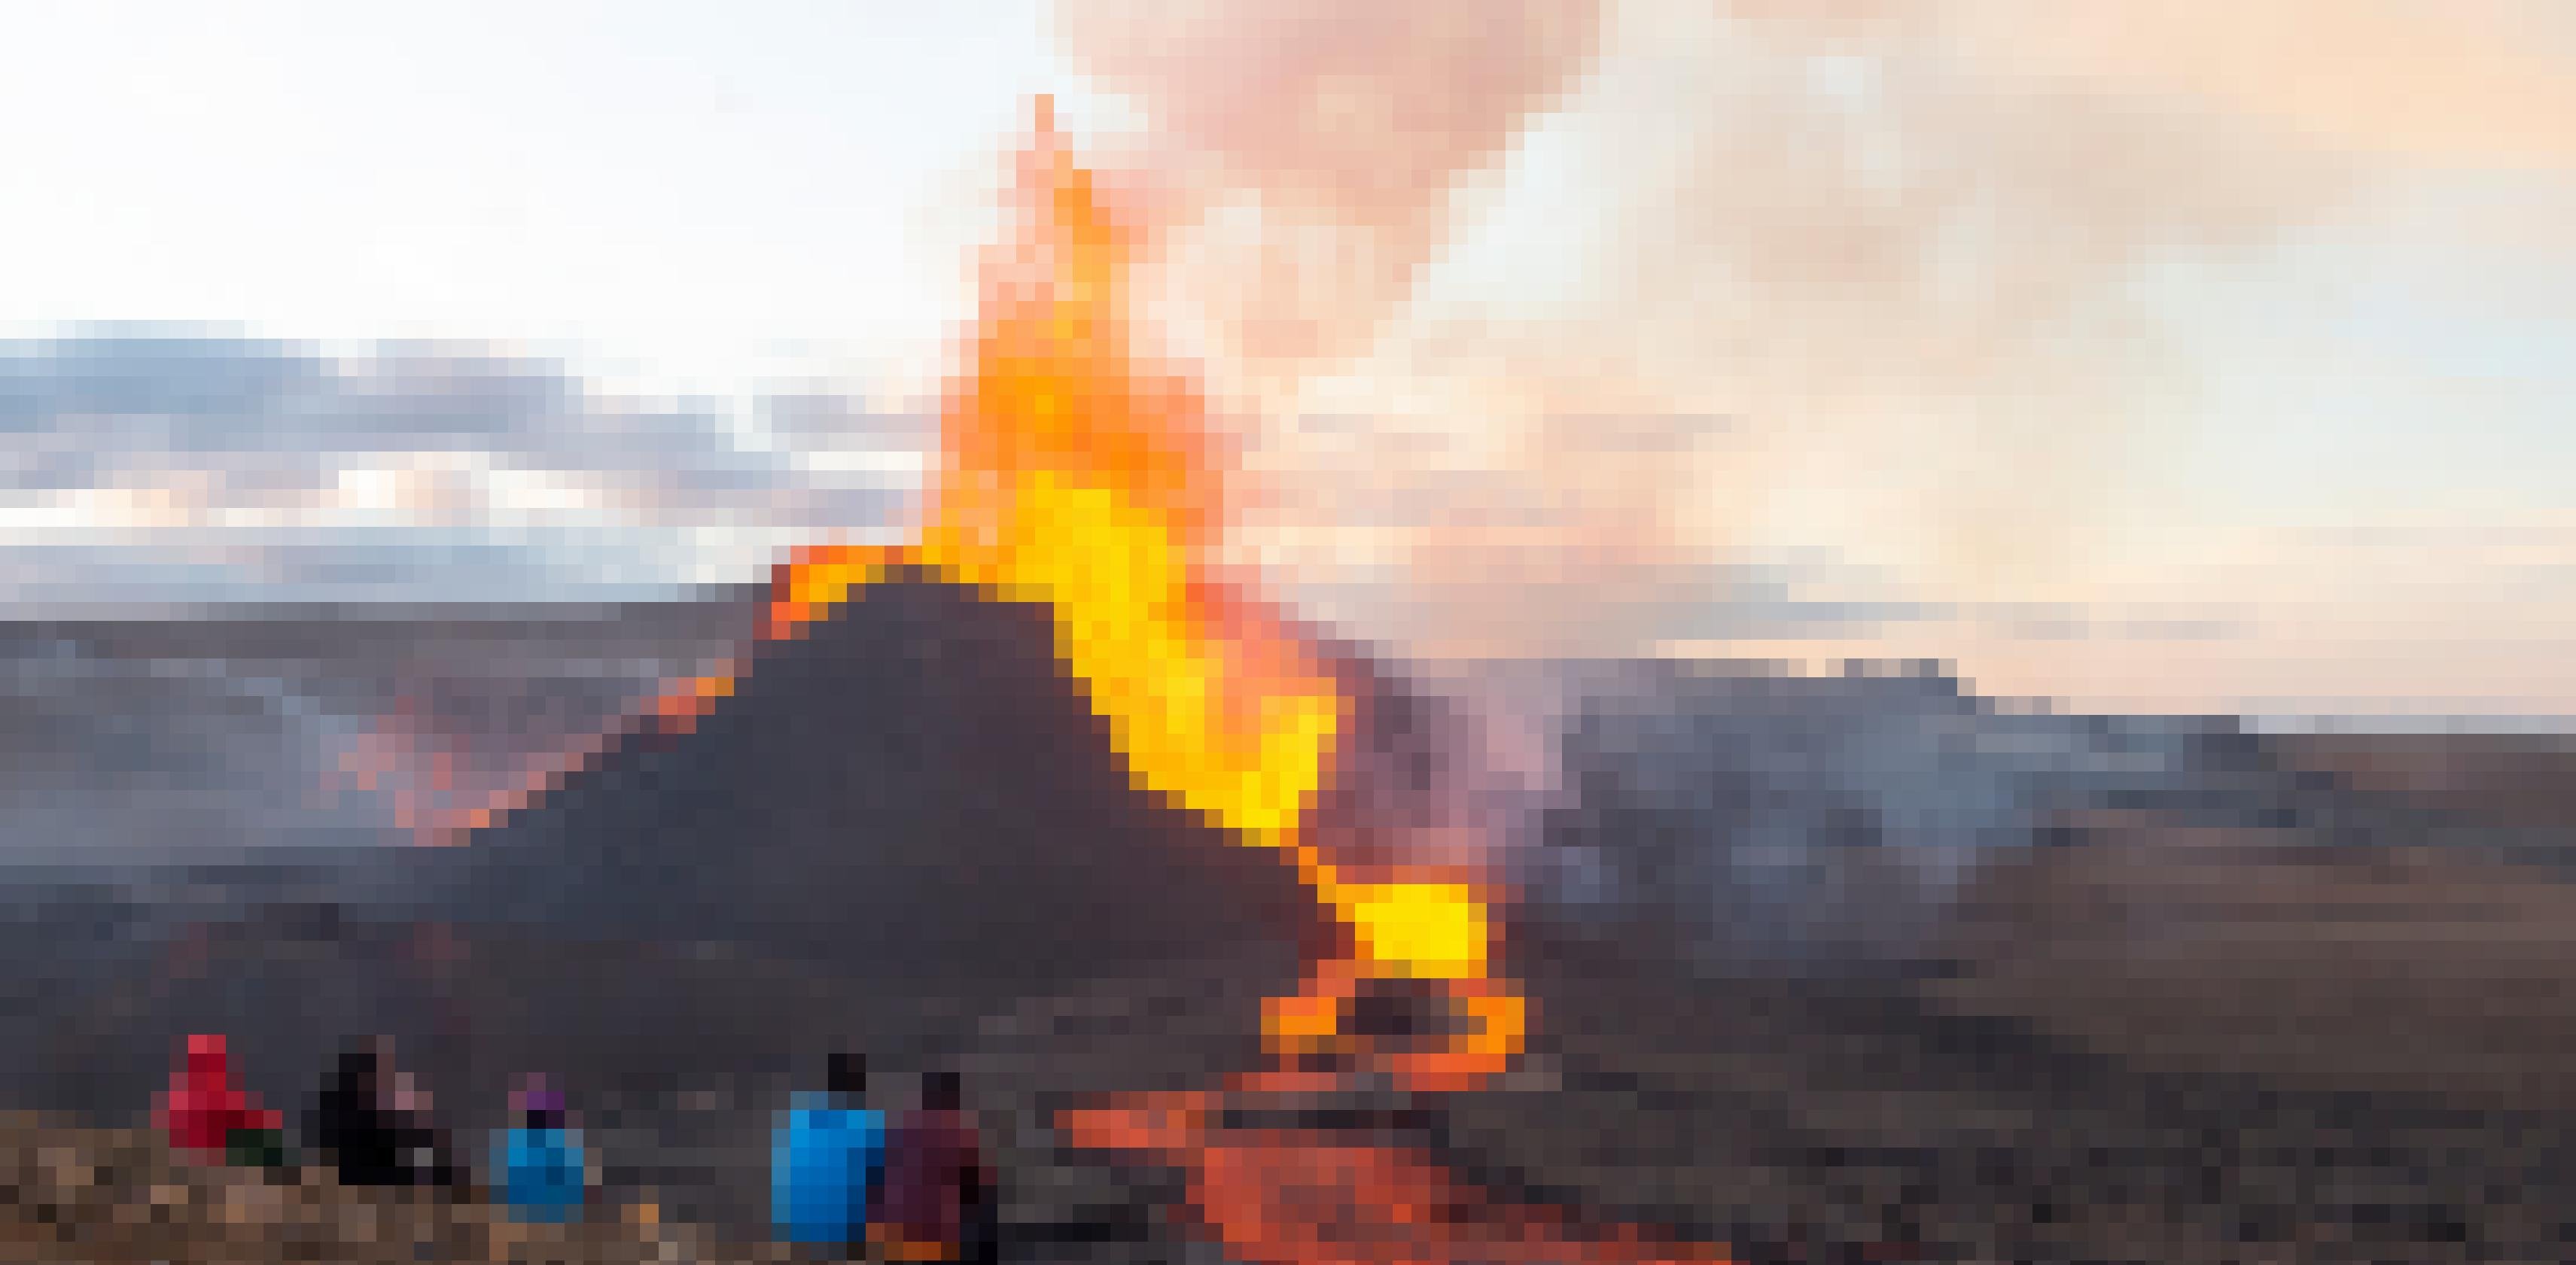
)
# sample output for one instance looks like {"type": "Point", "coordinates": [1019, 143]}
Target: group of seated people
{"type": "Point", "coordinates": [841, 1176]}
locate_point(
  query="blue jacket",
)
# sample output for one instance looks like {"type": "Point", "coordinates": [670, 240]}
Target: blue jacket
{"type": "Point", "coordinates": [541, 1173]}
{"type": "Point", "coordinates": [824, 1160]}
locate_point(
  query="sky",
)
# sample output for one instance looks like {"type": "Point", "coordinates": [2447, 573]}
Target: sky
{"type": "Point", "coordinates": [2214, 357]}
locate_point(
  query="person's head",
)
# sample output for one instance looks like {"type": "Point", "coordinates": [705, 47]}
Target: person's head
{"type": "Point", "coordinates": [848, 1073]}
{"type": "Point", "coordinates": [543, 1109]}
{"type": "Point", "coordinates": [362, 1065]}
{"type": "Point", "coordinates": [406, 1096]}
{"type": "Point", "coordinates": [942, 1091]}
{"type": "Point", "coordinates": [208, 1055]}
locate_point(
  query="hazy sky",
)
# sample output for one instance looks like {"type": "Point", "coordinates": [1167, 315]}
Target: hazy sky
{"type": "Point", "coordinates": [2214, 356]}
{"type": "Point", "coordinates": [694, 193]}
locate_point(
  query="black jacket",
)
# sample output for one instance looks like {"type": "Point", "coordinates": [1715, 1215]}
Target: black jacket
{"type": "Point", "coordinates": [367, 1142]}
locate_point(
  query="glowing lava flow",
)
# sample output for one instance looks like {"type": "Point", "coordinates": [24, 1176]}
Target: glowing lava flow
{"type": "Point", "coordinates": [1072, 479]}
{"type": "Point", "coordinates": [1292, 1196]}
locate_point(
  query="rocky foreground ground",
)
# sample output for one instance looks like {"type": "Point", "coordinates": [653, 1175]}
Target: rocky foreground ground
{"type": "Point", "coordinates": [116, 1196]}
{"type": "Point", "coordinates": [2148, 1044]}
{"type": "Point", "coordinates": [1789, 1121]}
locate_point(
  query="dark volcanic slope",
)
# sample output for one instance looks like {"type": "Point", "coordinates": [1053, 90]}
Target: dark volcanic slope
{"type": "Point", "coordinates": [903, 830]}
{"type": "Point", "coordinates": [918, 785]}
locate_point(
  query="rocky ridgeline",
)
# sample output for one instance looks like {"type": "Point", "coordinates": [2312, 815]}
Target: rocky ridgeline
{"type": "Point", "coordinates": [119, 1195]}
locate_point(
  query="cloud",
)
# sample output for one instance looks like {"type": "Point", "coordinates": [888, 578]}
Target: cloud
{"type": "Point", "coordinates": [159, 467]}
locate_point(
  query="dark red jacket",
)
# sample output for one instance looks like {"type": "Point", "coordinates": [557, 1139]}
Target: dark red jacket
{"type": "Point", "coordinates": [934, 1177]}
{"type": "Point", "coordinates": [203, 1107]}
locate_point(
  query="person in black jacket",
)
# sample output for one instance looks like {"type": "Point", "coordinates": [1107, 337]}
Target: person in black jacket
{"type": "Point", "coordinates": [374, 1127]}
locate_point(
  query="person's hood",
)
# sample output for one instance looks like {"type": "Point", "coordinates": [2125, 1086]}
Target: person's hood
{"type": "Point", "coordinates": [209, 1062]}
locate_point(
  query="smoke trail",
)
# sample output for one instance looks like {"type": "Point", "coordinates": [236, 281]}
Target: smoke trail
{"type": "Point", "coordinates": [1343, 129]}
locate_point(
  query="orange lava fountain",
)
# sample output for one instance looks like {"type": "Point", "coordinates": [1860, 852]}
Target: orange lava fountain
{"type": "Point", "coordinates": [1071, 477]}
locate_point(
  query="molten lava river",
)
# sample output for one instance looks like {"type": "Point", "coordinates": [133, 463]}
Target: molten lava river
{"type": "Point", "coordinates": [1072, 478]}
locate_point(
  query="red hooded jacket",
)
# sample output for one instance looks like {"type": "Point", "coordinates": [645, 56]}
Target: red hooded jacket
{"type": "Point", "coordinates": [203, 1107]}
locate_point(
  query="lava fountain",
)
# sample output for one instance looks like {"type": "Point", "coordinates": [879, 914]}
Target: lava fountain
{"type": "Point", "coordinates": [1073, 477]}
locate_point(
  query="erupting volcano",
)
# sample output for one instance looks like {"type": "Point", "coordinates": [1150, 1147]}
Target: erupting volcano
{"type": "Point", "coordinates": [1073, 478]}
{"type": "Point", "coordinates": [1078, 484]}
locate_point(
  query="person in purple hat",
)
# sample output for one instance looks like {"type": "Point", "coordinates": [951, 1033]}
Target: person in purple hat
{"type": "Point", "coordinates": [541, 1161]}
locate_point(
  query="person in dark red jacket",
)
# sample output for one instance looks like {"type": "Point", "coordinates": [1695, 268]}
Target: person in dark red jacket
{"type": "Point", "coordinates": [204, 1113]}
{"type": "Point", "coordinates": [939, 1203]}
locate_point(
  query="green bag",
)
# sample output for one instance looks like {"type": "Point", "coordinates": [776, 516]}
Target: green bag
{"type": "Point", "coordinates": [256, 1148]}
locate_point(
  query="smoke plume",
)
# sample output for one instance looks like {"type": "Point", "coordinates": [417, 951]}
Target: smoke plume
{"type": "Point", "coordinates": [1322, 142]}
{"type": "Point", "coordinates": [1896, 245]}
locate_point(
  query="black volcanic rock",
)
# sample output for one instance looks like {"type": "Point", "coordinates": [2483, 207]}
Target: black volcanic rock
{"type": "Point", "coordinates": [915, 786]}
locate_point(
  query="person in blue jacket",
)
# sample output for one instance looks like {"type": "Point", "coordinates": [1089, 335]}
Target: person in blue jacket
{"type": "Point", "coordinates": [541, 1162]}
{"type": "Point", "coordinates": [825, 1161]}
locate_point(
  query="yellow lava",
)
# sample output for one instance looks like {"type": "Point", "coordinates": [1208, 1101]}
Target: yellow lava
{"type": "Point", "coordinates": [1421, 930]}
{"type": "Point", "coordinates": [1073, 480]}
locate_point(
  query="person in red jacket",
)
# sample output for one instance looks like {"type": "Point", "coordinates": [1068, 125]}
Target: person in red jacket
{"type": "Point", "coordinates": [938, 1193]}
{"type": "Point", "coordinates": [204, 1113]}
